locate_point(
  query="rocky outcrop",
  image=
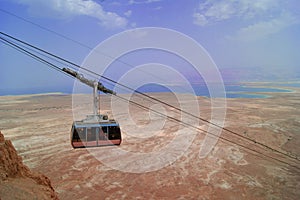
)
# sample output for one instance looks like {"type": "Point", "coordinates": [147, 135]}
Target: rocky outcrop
{"type": "Point", "coordinates": [16, 179]}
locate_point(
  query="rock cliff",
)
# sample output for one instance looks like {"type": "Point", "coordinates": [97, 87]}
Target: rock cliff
{"type": "Point", "coordinates": [16, 179]}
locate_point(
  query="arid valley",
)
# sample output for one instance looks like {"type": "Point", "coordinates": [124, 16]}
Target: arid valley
{"type": "Point", "coordinates": [39, 128]}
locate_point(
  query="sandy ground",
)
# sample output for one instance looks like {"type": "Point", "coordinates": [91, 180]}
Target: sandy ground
{"type": "Point", "coordinates": [39, 127]}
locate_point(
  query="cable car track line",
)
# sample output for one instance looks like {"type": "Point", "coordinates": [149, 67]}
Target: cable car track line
{"type": "Point", "coordinates": [205, 131]}
{"type": "Point", "coordinates": [15, 46]}
{"type": "Point", "coordinates": [88, 47]}
{"type": "Point", "coordinates": [22, 50]}
{"type": "Point", "coordinates": [152, 98]}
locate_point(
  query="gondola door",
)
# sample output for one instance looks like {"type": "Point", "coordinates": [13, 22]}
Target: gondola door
{"type": "Point", "coordinates": [103, 136]}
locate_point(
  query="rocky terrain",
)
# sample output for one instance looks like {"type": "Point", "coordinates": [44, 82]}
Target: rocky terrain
{"type": "Point", "coordinates": [16, 179]}
{"type": "Point", "coordinates": [39, 127]}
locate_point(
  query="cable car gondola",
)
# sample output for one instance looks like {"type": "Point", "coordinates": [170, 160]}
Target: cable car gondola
{"type": "Point", "coordinates": [95, 130]}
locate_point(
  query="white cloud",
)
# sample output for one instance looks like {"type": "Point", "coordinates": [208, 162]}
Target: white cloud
{"type": "Point", "coordinates": [220, 11]}
{"type": "Point", "coordinates": [214, 11]}
{"type": "Point", "coordinates": [158, 8]}
{"type": "Point", "coordinates": [128, 13]}
{"type": "Point", "coordinates": [200, 19]}
{"type": "Point", "coordinates": [64, 9]}
{"type": "Point", "coordinates": [264, 28]}
{"type": "Point", "coordinates": [133, 25]}
{"type": "Point", "coordinates": [260, 18]}
{"type": "Point", "coordinates": [142, 1]}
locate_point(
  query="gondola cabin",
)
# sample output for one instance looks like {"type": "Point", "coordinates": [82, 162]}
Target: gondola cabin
{"type": "Point", "coordinates": [95, 131]}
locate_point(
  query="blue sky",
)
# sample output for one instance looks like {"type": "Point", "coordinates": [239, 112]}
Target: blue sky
{"type": "Point", "coordinates": [242, 34]}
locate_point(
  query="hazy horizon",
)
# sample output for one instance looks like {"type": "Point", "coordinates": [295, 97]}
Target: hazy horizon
{"type": "Point", "coordinates": [247, 40]}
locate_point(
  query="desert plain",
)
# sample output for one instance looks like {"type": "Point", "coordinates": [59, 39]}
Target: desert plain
{"type": "Point", "coordinates": [39, 128]}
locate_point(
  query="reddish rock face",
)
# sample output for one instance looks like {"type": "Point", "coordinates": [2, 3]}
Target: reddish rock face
{"type": "Point", "coordinates": [11, 164]}
{"type": "Point", "coordinates": [16, 180]}
{"type": "Point", "coordinates": [2, 139]}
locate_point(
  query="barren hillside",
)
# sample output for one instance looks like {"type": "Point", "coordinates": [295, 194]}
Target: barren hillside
{"type": "Point", "coordinates": [16, 179]}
